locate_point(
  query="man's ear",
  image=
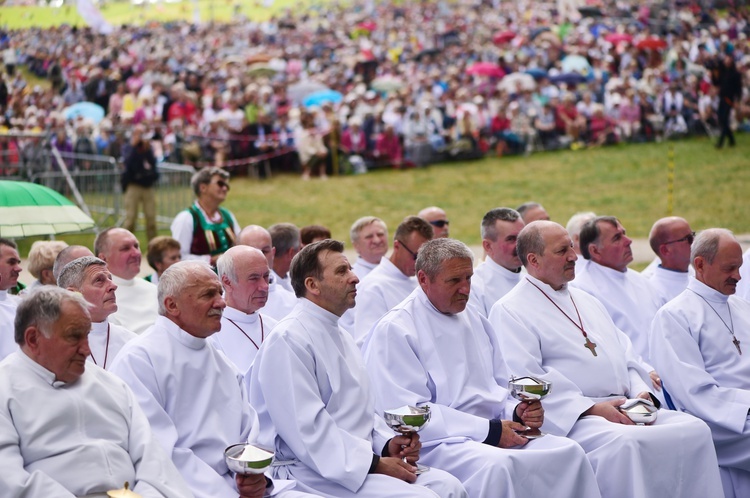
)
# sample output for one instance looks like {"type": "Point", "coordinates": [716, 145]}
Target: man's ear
{"type": "Point", "coordinates": [170, 304]}
{"type": "Point", "coordinates": [311, 284]}
{"type": "Point", "coordinates": [486, 245]}
{"type": "Point", "coordinates": [31, 338]}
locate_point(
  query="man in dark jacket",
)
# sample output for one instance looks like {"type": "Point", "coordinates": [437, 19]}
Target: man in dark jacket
{"type": "Point", "coordinates": [729, 81]}
{"type": "Point", "coordinates": [138, 180]}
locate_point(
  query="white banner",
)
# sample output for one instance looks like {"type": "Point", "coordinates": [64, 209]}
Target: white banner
{"type": "Point", "coordinates": [93, 17]}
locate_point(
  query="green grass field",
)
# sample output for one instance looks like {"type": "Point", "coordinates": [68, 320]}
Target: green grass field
{"type": "Point", "coordinates": [627, 181]}
{"type": "Point", "coordinates": [124, 12]}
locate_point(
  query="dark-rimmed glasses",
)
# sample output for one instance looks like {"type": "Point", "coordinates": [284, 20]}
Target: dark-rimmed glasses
{"type": "Point", "coordinates": [222, 184]}
{"type": "Point", "coordinates": [689, 238]}
{"type": "Point", "coordinates": [440, 223]}
{"type": "Point", "coordinates": [413, 254]}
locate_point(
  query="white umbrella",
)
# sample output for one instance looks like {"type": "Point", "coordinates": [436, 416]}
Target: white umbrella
{"type": "Point", "coordinates": [513, 80]}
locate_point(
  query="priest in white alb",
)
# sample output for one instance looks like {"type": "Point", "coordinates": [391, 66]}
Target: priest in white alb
{"type": "Point", "coordinates": [565, 336]}
{"type": "Point", "coordinates": [68, 428]}
{"type": "Point", "coordinates": [90, 276]}
{"type": "Point", "coordinates": [393, 279]}
{"type": "Point", "coordinates": [10, 268]}
{"type": "Point", "coordinates": [193, 396]}
{"type": "Point", "coordinates": [670, 238]}
{"type": "Point", "coordinates": [626, 294]}
{"type": "Point", "coordinates": [501, 269]}
{"type": "Point", "coordinates": [280, 300]}
{"type": "Point", "coordinates": [700, 341]}
{"type": "Point", "coordinates": [244, 274]}
{"type": "Point", "coordinates": [369, 236]}
{"type": "Point", "coordinates": [432, 349]}
{"type": "Point", "coordinates": [313, 397]}
{"type": "Point", "coordinates": [136, 298]}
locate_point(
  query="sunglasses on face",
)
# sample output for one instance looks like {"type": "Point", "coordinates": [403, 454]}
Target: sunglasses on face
{"type": "Point", "coordinates": [687, 238]}
{"type": "Point", "coordinates": [413, 254]}
{"type": "Point", "coordinates": [223, 184]}
{"type": "Point", "coordinates": [440, 223]}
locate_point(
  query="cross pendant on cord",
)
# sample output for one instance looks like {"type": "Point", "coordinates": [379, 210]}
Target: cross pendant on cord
{"type": "Point", "coordinates": [591, 346]}
{"type": "Point", "coordinates": [736, 344]}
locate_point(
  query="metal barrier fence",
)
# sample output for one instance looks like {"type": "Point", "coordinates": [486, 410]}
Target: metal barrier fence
{"type": "Point", "coordinates": [93, 183]}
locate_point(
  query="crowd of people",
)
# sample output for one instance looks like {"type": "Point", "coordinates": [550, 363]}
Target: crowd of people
{"type": "Point", "coordinates": [271, 337]}
{"type": "Point", "coordinates": [413, 83]}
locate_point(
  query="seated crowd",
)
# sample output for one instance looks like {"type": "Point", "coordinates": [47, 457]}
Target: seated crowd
{"type": "Point", "coordinates": [407, 91]}
{"type": "Point", "coordinates": [273, 338]}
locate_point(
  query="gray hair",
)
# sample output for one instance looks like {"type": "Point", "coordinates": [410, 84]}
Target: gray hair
{"type": "Point", "coordinates": [360, 224]}
{"type": "Point", "coordinates": [492, 217]}
{"type": "Point", "coordinates": [175, 278]}
{"type": "Point", "coordinates": [575, 223]}
{"type": "Point", "coordinates": [530, 241]}
{"type": "Point", "coordinates": [204, 176]}
{"type": "Point", "coordinates": [706, 243]}
{"type": "Point", "coordinates": [284, 236]}
{"type": "Point", "coordinates": [226, 264]}
{"type": "Point", "coordinates": [526, 206]}
{"type": "Point", "coordinates": [433, 253]}
{"type": "Point", "coordinates": [72, 273]}
{"type": "Point", "coordinates": [42, 307]}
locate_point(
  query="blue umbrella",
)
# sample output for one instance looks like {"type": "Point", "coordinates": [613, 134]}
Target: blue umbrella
{"type": "Point", "coordinates": [323, 96]}
{"type": "Point", "coordinates": [575, 64]}
{"type": "Point", "coordinates": [537, 73]}
{"type": "Point", "coordinates": [568, 78]}
{"type": "Point", "coordinates": [88, 110]}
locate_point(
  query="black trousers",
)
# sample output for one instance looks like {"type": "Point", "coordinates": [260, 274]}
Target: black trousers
{"type": "Point", "coordinates": [725, 110]}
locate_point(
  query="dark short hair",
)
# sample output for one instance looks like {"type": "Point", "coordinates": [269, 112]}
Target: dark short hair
{"type": "Point", "coordinates": [311, 232]}
{"type": "Point", "coordinates": [413, 224]}
{"type": "Point", "coordinates": [306, 263]}
{"type": "Point", "coordinates": [157, 247]}
{"type": "Point", "coordinates": [590, 233]}
{"type": "Point", "coordinates": [8, 242]}
{"type": "Point", "coordinates": [492, 217]}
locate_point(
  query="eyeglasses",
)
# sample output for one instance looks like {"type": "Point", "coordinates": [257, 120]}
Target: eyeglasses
{"type": "Point", "coordinates": [223, 184]}
{"type": "Point", "coordinates": [440, 223]}
{"type": "Point", "coordinates": [413, 254]}
{"type": "Point", "coordinates": [689, 238]}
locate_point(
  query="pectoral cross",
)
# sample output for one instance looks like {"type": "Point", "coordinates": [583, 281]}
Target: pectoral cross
{"type": "Point", "coordinates": [591, 346]}
{"type": "Point", "coordinates": [736, 344]}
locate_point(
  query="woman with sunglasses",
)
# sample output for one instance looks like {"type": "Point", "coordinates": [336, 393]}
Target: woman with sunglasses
{"type": "Point", "coordinates": [206, 230]}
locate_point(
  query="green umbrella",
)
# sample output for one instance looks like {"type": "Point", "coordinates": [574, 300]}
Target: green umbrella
{"type": "Point", "coordinates": [28, 209]}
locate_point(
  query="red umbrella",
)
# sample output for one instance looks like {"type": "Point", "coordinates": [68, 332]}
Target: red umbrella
{"type": "Point", "coordinates": [367, 26]}
{"type": "Point", "coordinates": [485, 69]}
{"type": "Point", "coordinates": [615, 38]}
{"type": "Point", "coordinates": [503, 37]}
{"type": "Point", "coordinates": [652, 43]}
